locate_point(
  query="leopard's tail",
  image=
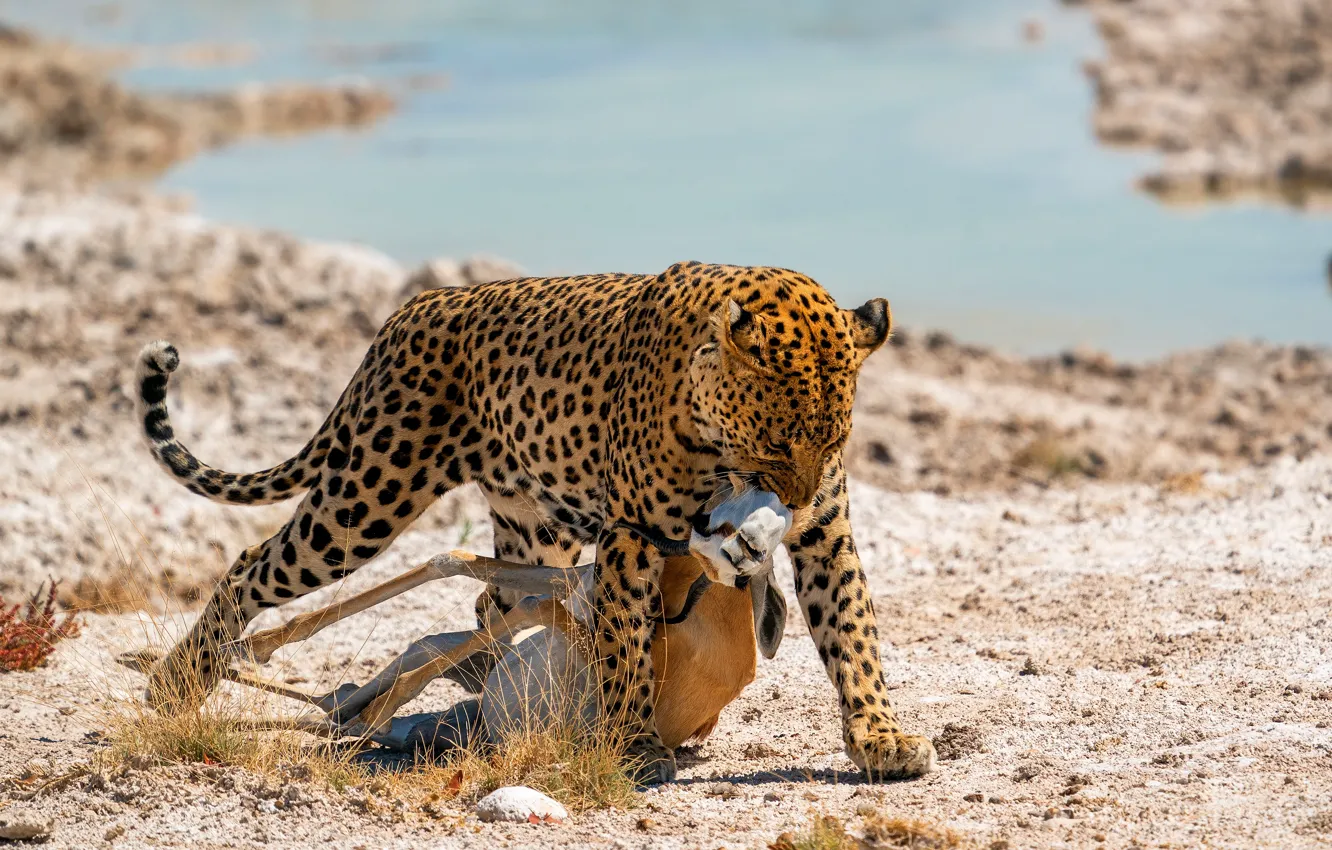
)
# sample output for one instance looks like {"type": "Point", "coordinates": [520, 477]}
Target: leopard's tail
{"type": "Point", "coordinates": [157, 361]}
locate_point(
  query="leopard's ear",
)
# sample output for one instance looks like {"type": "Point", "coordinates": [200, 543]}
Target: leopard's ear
{"type": "Point", "coordinates": [744, 336]}
{"type": "Point", "coordinates": [870, 323]}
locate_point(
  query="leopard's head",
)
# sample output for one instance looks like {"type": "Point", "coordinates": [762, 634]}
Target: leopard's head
{"type": "Point", "coordinates": [773, 389]}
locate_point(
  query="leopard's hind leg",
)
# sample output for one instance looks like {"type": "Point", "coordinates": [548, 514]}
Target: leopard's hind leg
{"type": "Point", "coordinates": [341, 524]}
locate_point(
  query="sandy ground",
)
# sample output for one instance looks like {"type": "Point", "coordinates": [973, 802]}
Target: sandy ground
{"type": "Point", "coordinates": [1102, 586]}
{"type": "Point", "coordinates": [1115, 665]}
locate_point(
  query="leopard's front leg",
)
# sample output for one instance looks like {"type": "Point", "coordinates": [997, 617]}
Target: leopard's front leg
{"type": "Point", "coordinates": [627, 575]}
{"type": "Point", "coordinates": [836, 601]}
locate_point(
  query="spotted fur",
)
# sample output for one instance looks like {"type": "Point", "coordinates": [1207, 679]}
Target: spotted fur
{"type": "Point", "coordinates": [581, 406]}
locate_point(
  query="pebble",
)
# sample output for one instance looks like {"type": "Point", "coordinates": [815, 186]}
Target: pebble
{"type": "Point", "coordinates": [724, 790]}
{"type": "Point", "coordinates": [21, 826]}
{"type": "Point", "coordinates": [520, 804]}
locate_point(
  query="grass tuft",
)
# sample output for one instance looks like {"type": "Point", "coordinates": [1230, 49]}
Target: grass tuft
{"type": "Point", "coordinates": [579, 768]}
{"type": "Point", "coordinates": [557, 750]}
{"type": "Point", "coordinates": [222, 732]}
{"type": "Point", "coordinates": [826, 832]}
{"type": "Point", "coordinates": [883, 831]}
{"type": "Point", "coordinates": [1050, 456]}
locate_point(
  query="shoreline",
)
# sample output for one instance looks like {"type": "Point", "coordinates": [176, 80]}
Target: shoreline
{"type": "Point", "coordinates": [66, 121]}
{"type": "Point", "coordinates": [1234, 94]}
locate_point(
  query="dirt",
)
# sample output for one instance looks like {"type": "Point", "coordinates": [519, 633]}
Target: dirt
{"type": "Point", "coordinates": [1102, 586]}
{"type": "Point", "coordinates": [1107, 661]}
{"type": "Point", "coordinates": [1236, 94]}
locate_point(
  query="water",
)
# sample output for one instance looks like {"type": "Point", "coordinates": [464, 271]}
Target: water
{"type": "Point", "coordinates": [917, 150]}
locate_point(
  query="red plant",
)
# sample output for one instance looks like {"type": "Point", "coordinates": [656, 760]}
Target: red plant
{"type": "Point", "coordinates": [26, 642]}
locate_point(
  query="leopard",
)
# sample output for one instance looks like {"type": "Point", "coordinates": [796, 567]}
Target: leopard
{"type": "Point", "coordinates": [591, 411]}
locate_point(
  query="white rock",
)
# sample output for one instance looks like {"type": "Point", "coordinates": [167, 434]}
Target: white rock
{"type": "Point", "coordinates": [483, 268]}
{"type": "Point", "coordinates": [518, 804]}
{"type": "Point", "coordinates": [22, 826]}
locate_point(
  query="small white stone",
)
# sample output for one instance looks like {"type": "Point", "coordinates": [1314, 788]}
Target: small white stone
{"type": "Point", "coordinates": [518, 804]}
{"type": "Point", "coordinates": [268, 807]}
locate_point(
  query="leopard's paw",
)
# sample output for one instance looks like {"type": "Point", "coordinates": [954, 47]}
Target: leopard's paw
{"type": "Point", "coordinates": [182, 680]}
{"type": "Point", "coordinates": [890, 755]}
{"type": "Point", "coordinates": [650, 763]}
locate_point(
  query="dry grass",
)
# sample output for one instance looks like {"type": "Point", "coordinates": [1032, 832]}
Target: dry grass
{"type": "Point", "coordinates": [1052, 457]}
{"type": "Point", "coordinates": [582, 770]}
{"type": "Point", "coordinates": [580, 763]}
{"type": "Point", "coordinates": [1183, 484]}
{"type": "Point", "coordinates": [27, 641]}
{"type": "Point", "coordinates": [557, 743]}
{"type": "Point", "coordinates": [826, 832]}
{"type": "Point", "coordinates": [221, 731]}
{"type": "Point", "coordinates": [883, 831]}
{"type": "Point", "coordinates": [126, 589]}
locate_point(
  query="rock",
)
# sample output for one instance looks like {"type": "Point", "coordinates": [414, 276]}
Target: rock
{"type": "Point", "coordinates": [1233, 415]}
{"type": "Point", "coordinates": [484, 269]}
{"type": "Point", "coordinates": [63, 117]}
{"type": "Point", "coordinates": [443, 272]}
{"type": "Point", "coordinates": [439, 273]}
{"type": "Point", "coordinates": [880, 453]}
{"type": "Point", "coordinates": [520, 804]}
{"type": "Point", "coordinates": [24, 826]}
{"type": "Point", "coordinates": [723, 790]}
{"type": "Point", "coordinates": [1235, 93]}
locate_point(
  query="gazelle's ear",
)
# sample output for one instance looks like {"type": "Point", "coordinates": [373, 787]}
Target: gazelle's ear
{"type": "Point", "coordinates": [769, 614]}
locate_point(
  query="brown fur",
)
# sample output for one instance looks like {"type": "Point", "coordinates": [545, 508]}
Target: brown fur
{"type": "Point", "coordinates": [705, 662]}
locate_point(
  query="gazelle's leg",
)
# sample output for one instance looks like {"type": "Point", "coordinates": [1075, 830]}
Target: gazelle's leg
{"type": "Point", "coordinates": [544, 612]}
{"type": "Point", "coordinates": [260, 646]}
